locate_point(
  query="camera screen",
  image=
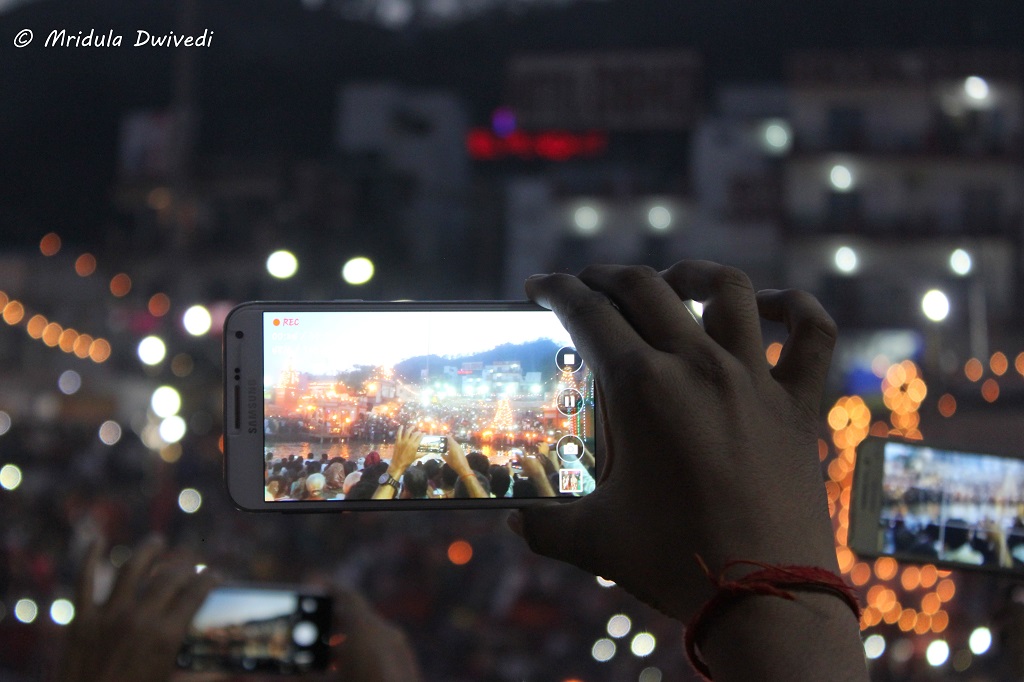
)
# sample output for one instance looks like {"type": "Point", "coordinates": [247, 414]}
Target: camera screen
{"type": "Point", "coordinates": [502, 397]}
{"type": "Point", "coordinates": [953, 506]}
{"type": "Point", "coordinates": [240, 628]}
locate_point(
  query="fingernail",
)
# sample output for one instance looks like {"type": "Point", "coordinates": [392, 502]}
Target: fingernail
{"type": "Point", "coordinates": [537, 276]}
{"type": "Point", "coordinates": [515, 523]}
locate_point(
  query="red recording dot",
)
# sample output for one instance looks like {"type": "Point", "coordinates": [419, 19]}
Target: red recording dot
{"type": "Point", "coordinates": [277, 323]}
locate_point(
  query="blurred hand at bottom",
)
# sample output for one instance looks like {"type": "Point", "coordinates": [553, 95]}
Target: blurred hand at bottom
{"type": "Point", "coordinates": [135, 635]}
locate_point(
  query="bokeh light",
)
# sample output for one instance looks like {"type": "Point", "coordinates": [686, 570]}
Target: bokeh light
{"type": "Point", "coordinates": [659, 217]}
{"type": "Point", "coordinates": [197, 320]}
{"type": "Point", "coordinates": [172, 429]}
{"type": "Point", "coordinates": [5, 422]}
{"type": "Point", "coordinates": [99, 350]}
{"type": "Point", "coordinates": [110, 432]}
{"type": "Point", "coordinates": [151, 350]}
{"type": "Point", "coordinates": [845, 259]}
{"type": "Point", "coordinates": [85, 265]}
{"type": "Point", "coordinates": [960, 262]}
{"type": "Point", "coordinates": [49, 245]}
{"type": "Point", "coordinates": [976, 88]}
{"type": "Point", "coordinates": [651, 674]}
{"type": "Point", "coordinates": [935, 305]}
{"type": "Point", "coordinates": [189, 500]}
{"type": "Point", "coordinates": [357, 270]}
{"type": "Point", "coordinates": [990, 390]}
{"type": "Point", "coordinates": [69, 382]}
{"type": "Point", "coordinates": [35, 326]}
{"type": "Point", "coordinates": [120, 285]}
{"type": "Point", "coordinates": [947, 405]}
{"type": "Point", "coordinates": [62, 611]}
{"type": "Point", "coordinates": [13, 312]}
{"type": "Point", "coordinates": [26, 610]}
{"type": "Point", "coordinates": [937, 653]}
{"type": "Point", "coordinates": [999, 363]}
{"type": "Point", "coordinates": [282, 264]}
{"type": "Point", "coordinates": [10, 477]}
{"type": "Point", "coordinates": [643, 644]}
{"type": "Point", "coordinates": [841, 178]}
{"type": "Point", "coordinates": [604, 582]}
{"type": "Point", "coordinates": [460, 552]}
{"type": "Point", "coordinates": [159, 305]}
{"type": "Point", "coordinates": [619, 625]}
{"type": "Point", "coordinates": [980, 640]}
{"type": "Point", "coordinates": [165, 401]}
{"type": "Point", "coordinates": [603, 650]}
{"type": "Point", "coordinates": [587, 219]}
{"type": "Point", "coordinates": [874, 646]}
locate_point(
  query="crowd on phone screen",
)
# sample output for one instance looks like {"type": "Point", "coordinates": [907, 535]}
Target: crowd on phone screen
{"type": "Point", "coordinates": [924, 528]}
{"type": "Point", "coordinates": [338, 478]}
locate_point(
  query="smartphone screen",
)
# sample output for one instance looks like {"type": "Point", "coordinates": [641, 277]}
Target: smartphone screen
{"type": "Point", "coordinates": [258, 629]}
{"type": "Point", "coordinates": [503, 382]}
{"type": "Point", "coordinates": [933, 505]}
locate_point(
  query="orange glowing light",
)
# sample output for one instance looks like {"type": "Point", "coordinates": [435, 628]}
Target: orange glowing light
{"type": "Point", "coordinates": [973, 369]}
{"type": "Point", "coordinates": [120, 285]}
{"type": "Point", "coordinates": [1019, 364]}
{"type": "Point", "coordinates": [50, 244]}
{"type": "Point", "coordinates": [842, 534]}
{"type": "Point", "coordinates": [822, 450]}
{"type": "Point", "coordinates": [879, 429]}
{"type": "Point", "coordinates": [99, 350]}
{"type": "Point", "coordinates": [873, 616]}
{"type": "Point", "coordinates": [947, 405]}
{"type": "Point", "coordinates": [845, 558]}
{"type": "Point", "coordinates": [929, 574]}
{"type": "Point", "coordinates": [886, 601]}
{"type": "Point", "coordinates": [908, 619]}
{"type": "Point", "coordinates": [931, 603]}
{"type": "Point", "coordinates": [85, 265]}
{"type": "Point", "coordinates": [773, 352]}
{"type": "Point", "coordinates": [460, 552]}
{"type": "Point", "coordinates": [159, 305]}
{"type": "Point", "coordinates": [860, 574]}
{"type": "Point", "coordinates": [3, 300]}
{"type": "Point", "coordinates": [885, 568]}
{"type": "Point", "coordinates": [911, 578]}
{"type": "Point", "coordinates": [998, 363]}
{"type": "Point", "coordinates": [879, 365]}
{"type": "Point", "coordinates": [220, 443]}
{"type": "Point", "coordinates": [893, 614]}
{"type": "Point", "coordinates": [82, 344]}
{"type": "Point", "coordinates": [36, 325]}
{"type": "Point", "coordinates": [832, 490]}
{"type": "Point", "coordinates": [874, 593]}
{"type": "Point", "coordinates": [940, 621]}
{"type": "Point", "coordinates": [51, 334]}
{"type": "Point", "coordinates": [945, 589]}
{"type": "Point", "coordinates": [67, 339]}
{"type": "Point", "coordinates": [990, 390]}
{"type": "Point", "coordinates": [838, 418]}
{"type": "Point", "coordinates": [943, 574]}
{"type": "Point", "coordinates": [923, 624]}
{"type": "Point", "coordinates": [14, 311]}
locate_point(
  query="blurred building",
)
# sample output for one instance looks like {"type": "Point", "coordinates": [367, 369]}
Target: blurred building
{"type": "Point", "coordinates": [903, 158]}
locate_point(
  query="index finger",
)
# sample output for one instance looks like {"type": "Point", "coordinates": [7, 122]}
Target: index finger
{"type": "Point", "coordinates": [601, 334]}
{"type": "Point", "coordinates": [87, 578]}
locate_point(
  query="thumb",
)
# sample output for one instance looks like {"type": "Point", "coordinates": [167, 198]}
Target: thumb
{"type": "Point", "coordinates": [561, 531]}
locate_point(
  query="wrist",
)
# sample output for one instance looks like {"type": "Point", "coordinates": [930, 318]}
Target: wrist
{"type": "Point", "coordinates": [814, 636]}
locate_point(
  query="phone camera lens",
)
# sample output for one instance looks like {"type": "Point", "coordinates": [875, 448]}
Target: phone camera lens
{"type": "Point", "coordinates": [239, 335]}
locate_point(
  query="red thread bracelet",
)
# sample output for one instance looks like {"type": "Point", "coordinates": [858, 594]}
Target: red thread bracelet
{"type": "Point", "coordinates": [770, 580]}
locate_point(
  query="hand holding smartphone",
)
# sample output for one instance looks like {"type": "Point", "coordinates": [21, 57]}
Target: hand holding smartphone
{"type": "Point", "coordinates": [324, 400]}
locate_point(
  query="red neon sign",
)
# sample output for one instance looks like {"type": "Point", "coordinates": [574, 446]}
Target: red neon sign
{"type": "Point", "coordinates": [554, 145]}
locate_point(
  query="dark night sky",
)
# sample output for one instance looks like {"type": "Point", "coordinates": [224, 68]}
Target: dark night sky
{"type": "Point", "coordinates": [269, 83]}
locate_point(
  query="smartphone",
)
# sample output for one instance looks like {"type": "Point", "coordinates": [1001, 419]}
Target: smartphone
{"type": "Point", "coordinates": [315, 394]}
{"type": "Point", "coordinates": [925, 504]}
{"type": "Point", "coordinates": [242, 628]}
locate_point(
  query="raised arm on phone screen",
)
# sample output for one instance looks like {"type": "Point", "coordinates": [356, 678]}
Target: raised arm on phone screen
{"type": "Point", "coordinates": [707, 451]}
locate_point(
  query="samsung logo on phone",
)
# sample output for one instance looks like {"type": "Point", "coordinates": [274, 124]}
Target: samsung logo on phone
{"type": "Point", "coordinates": [255, 411]}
